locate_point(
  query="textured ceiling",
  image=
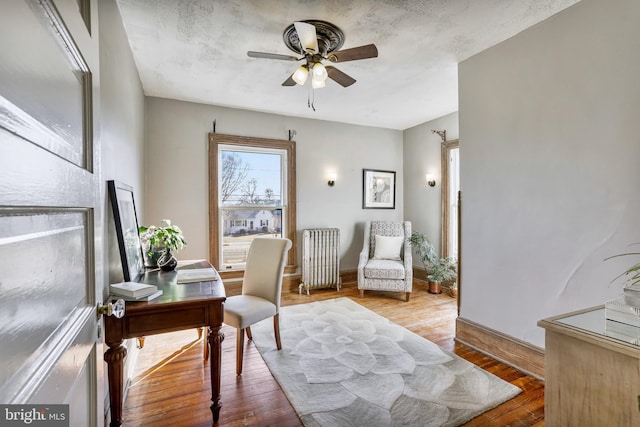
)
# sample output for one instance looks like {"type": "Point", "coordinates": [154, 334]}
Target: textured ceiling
{"type": "Point", "coordinates": [196, 50]}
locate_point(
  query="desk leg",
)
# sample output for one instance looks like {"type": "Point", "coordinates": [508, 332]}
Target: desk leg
{"type": "Point", "coordinates": [215, 337]}
{"type": "Point", "coordinates": [115, 366]}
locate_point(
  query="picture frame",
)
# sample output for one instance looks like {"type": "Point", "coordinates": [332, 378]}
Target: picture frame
{"type": "Point", "coordinates": [126, 222]}
{"type": "Point", "coordinates": [378, 189]}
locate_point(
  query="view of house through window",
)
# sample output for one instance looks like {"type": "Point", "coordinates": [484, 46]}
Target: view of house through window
{"type": "Point", "coordinates": [251, 199]}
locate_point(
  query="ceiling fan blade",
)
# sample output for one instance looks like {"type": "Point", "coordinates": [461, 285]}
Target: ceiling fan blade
{"type": "Point", "coordinates": [353, 54]}
{"type": "Point", "coordinates": [289, 81]}
{"type": "Point", "coordinates": [339, 77]}
{"type": "Point", "coordinates": [307, 36]}
{"type": "Point", "coordinates": [272, 56]}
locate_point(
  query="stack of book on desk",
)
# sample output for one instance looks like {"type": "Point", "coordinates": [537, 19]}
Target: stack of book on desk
{"type": "Point", "coordinates": [134, 291]}
{"type": "Point", "coordinates": [623, 315]}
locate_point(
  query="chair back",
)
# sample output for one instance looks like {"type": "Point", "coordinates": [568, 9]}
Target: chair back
{"type": "Point", "coordinates": [265, 266]}
{"type": "Point", "coordinates": [388, 228]}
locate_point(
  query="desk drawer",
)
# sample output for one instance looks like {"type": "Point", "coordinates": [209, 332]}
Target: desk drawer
{"type": "Point", "coordinates": [167, 321]}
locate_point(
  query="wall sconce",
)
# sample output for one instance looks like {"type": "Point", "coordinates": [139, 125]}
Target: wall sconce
{"type": "Point", "coordinates": [332, 179]}
{"type": "Point", "coordinates": [431, 180]}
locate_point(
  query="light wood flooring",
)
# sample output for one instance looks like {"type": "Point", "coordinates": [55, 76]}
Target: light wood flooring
{"type": "Point", "coordinates": [171, 386]}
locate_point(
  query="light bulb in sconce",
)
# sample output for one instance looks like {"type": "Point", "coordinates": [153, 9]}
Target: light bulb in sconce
{"type": "Point", "coordinates": [431, 180]}
{"type": "Point", "coordinates": [332, 179]}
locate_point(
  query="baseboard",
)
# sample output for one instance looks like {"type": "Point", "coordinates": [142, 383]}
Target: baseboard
{"type": "Point", "coordinates": [291, 282]}
{"type": "Point", "coordinates": [349, 276]}
{"type": "Point", "coordinates": [420, 274]}
{"type": "Point", "coordinates": [519, 354]}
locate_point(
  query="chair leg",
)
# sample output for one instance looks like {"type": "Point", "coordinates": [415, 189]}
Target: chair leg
{"type": "Point", "coordinates": [239, 350]}
{"type": "Point", "coordinates": [361, 293]}
{"type": "Point", "coordinates": [249, 333]}
{"type": "Point", "coordinates": [407, 295]}
{"type": "Point", "coordinates": [276, 330]}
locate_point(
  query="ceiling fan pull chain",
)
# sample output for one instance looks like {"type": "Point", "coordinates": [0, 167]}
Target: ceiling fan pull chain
{"type": "Point", "coordinates": [311, 99]}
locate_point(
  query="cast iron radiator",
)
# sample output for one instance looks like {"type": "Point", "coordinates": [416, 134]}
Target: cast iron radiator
{"type": "Point", "coordinates": [320, 258]}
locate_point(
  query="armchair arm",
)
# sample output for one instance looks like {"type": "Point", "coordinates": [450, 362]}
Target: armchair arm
{"type": "Point", "coordinates": [364, 254]}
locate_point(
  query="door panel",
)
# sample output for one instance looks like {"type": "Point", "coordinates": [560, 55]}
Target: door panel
{"type": "Point", "coordinates": [75, 375]}
{"type": "Point", "coordinates": [47, 84]}
{"type": "Point", "coordinates": [33, 246]}
{"type": "Point", "coordinates": [50, 207]}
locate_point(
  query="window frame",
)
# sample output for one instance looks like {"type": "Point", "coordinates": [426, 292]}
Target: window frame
{"type": "Point", "coordinates": [445, 204]}
{"type": "Point", "coordinates": [216, 140]}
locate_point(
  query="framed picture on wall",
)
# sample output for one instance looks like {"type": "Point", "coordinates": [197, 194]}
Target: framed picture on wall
{"type": "Point", "coordinates": [378, 189]}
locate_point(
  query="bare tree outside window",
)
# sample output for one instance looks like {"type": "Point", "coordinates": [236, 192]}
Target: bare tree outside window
{"type": "Point", "coordinates": [233, 176]}
{"type": "Point", "coordinates": [249, 194]}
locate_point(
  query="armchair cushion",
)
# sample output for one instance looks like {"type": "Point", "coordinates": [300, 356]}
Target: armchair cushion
{"type": "Point", "coordinates": [384, 269]}
{"type": "Point", "coordinates": [388, 247]}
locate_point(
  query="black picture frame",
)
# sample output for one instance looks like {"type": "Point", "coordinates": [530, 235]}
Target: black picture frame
{"type": "Point", "coordinates": [126, 222]}
{"type": "Point", "coordinates": [378, 189]}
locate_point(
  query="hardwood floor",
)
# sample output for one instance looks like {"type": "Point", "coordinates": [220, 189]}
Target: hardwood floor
{"type": "Point", "coordinates": [171, 386]}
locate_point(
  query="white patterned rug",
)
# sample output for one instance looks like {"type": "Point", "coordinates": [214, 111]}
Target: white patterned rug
{"type": "Point", "coordinates": [344, 365]}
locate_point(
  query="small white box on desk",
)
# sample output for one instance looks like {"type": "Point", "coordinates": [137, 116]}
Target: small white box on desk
{"type": "Point", "coordinates": [196, 275]}
{"type": "Point", "coordinates": [149, 297]}
{"type": "Point", "coordinates": [132, 289]}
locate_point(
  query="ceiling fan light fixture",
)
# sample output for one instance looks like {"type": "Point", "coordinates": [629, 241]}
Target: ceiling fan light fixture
{"type": "Point", "coordinates": [319, 72]}
{"type": "Point", "coordinates": [317, 83]}
{"type": "Point", "coordinates": [301, 74]}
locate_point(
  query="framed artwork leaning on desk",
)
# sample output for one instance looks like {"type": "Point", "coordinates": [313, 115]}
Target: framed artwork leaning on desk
{"type": "Point", "coordinates": [126, 222]}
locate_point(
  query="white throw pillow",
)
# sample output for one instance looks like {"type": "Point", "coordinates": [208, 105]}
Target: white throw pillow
{"type": "Point", "coordinates": [388, 247]}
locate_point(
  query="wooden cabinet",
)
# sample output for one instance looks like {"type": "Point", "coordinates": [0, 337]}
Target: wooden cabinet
{"type": "Point", "coordinates": [591, 379]}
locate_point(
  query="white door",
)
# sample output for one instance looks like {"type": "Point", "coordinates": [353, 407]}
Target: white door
{"type": "Point", "coordinates": [50, 207]}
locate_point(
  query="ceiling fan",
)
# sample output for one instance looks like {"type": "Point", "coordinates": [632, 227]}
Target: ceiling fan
{"type": "Point", "coordinates": [318, 41]}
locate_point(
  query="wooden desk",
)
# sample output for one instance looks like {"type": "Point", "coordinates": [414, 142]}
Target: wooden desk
{"type": "Point", "coordinates": [182, 306]}
{"type": "Point", "coordinates": [591, 378]}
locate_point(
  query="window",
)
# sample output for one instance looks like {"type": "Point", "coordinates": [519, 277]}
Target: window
{"type": "Point", "coordinates": [251, 194]}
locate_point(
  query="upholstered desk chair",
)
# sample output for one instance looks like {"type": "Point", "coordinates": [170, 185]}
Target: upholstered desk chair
{"type": "Point", "coordinates": [261, 290]}
{"type": "Point", "coordinates": [385, 261]}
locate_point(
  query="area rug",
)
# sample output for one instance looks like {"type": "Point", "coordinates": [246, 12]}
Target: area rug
{"type": "Point", "coordinates": [344, 365]}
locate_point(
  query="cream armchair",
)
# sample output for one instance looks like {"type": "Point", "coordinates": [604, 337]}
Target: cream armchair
{"type": "Point", "coordinates": [385, 261]}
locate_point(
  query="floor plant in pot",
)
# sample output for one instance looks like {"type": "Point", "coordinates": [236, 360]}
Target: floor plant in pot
{"type": "Point", "coordinates": [439, 270]}
{"type": "Point", "coordinates": [158, 242]}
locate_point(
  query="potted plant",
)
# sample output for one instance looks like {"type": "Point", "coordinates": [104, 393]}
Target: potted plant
{"type": "Point", "coordinates": [438, 270]}
{"type": "Point", "coordinates": [159, 241]}
{"type": "Point", "coordinates": [453, 289]}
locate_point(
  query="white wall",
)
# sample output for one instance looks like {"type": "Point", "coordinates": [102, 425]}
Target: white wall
{"type": "Point", "coordinates": [549, 148]}
{"type": "Point", "coordinates": [121, 125]}
{"type": "Point", "coordinates": [422, 151]}
{"type": "Point", "coordinates": [176, 179]}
